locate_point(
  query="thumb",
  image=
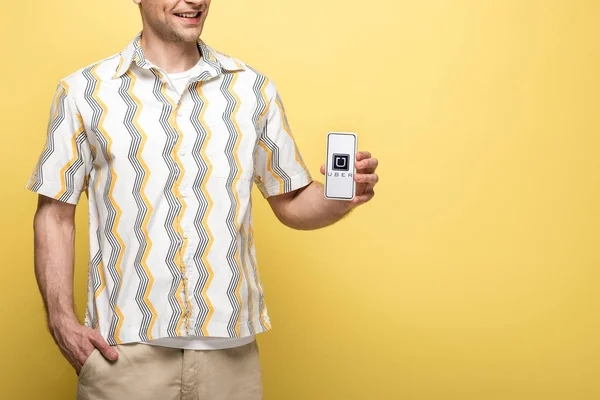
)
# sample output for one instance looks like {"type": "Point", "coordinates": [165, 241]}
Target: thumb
{"type": "Point", "coordinates": [323, 169]}
{"type": "Point", "coordinates": [107, 351]}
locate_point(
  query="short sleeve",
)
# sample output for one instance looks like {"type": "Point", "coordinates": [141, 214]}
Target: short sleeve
{"type": "Point", "coordinates": [278, 164]}
{"type": "Point", "coordinates": [63, 167]}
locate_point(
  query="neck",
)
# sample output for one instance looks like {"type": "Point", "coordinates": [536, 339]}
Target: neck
{"type": "Point", "coordinates": [171, 57]}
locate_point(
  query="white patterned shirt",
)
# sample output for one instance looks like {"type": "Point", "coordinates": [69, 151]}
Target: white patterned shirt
{"type": "Point", "coordinates": [168, 180]}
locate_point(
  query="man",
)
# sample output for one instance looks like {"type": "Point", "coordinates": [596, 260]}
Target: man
{"type": "Point", "coordinates": [166, 139]}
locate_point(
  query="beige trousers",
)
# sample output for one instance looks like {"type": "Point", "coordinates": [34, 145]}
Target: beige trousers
{"type": "Point", "coordinates": [145, 372]}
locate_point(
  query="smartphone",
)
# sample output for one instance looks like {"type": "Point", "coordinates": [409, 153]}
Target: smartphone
{"type": "Point", "coordinates": [340, 166]}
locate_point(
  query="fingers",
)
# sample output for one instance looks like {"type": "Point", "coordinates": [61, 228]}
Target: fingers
{"type": "Point", "coordinates": [323, 169]}
{"type": "Point", "coordinates": [362, 199]}
{"type": "Point", "coordinates": [362, 155]}
{"type": "Point", "coordinates": [107, 351]}
{"type": "Point", "coordinates": [370, 179]}
{"type": "Point", "coordinates": [368, 165]}
{"type": "Point", "coordinates": [77, 343]}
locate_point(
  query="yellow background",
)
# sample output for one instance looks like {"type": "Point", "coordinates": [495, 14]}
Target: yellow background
{"type": "Point", "coordinates": [474, 273]}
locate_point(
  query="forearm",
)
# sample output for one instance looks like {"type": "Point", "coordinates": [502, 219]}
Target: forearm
{"type": "Point", "coordinates": [310, 209]}
{"type": "Point", "coordinates": [54, 260]}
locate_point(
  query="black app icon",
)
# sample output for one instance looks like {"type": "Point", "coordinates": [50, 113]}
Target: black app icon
{"type": "Point", "coordinates": [341, 162]}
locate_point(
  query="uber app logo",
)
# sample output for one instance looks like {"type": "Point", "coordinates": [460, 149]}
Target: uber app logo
{"type": "Point", "coordinates": [340, 162]}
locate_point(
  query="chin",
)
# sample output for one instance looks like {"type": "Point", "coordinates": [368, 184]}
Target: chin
{"type": "Point", "coordinates": [190, 36]}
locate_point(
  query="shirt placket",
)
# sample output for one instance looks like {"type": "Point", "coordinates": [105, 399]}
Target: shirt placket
{"type": "Point", "coordinates": [184, 190]}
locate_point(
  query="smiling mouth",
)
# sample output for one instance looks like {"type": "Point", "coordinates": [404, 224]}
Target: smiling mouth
{"type": "Point", "coordinates": [189, 15]}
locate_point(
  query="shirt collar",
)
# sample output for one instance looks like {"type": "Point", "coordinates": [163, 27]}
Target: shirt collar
{"type": "Point", "coordinates": [219, 63]}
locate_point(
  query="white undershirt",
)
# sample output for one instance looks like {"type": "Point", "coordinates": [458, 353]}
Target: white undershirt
{"type": "Point", "coordinates": [200, 342]}
{"type": "Point", "coordinates": [180, 81]}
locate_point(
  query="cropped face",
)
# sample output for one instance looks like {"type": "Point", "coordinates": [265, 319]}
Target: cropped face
{"type": "Point", "coordinates": [174, 20]}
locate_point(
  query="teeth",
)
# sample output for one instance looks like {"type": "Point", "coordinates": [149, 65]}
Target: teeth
{"type": "Point", "coordinates": [188, 15]}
